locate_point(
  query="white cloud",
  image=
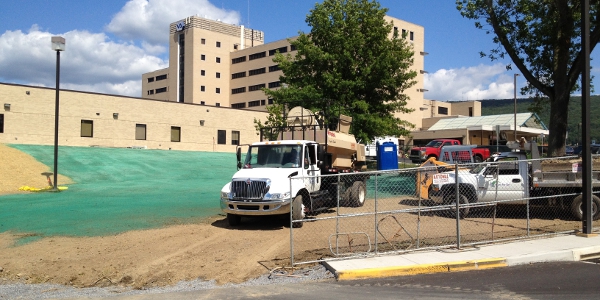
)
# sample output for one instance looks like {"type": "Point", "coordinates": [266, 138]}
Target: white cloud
{"type": "Point", "coordinates": [149, 19]}
{"type": "Point", "coordinates": [472, 83]}
{"type": "Point", "coordinates": [91, 62]}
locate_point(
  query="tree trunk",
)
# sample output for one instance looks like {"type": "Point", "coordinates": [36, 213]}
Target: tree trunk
{"type": "Point", "coordinates": [559, 114]}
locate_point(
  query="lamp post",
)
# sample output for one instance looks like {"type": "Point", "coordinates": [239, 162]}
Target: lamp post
{"type": "Point", "coordinates": [58, 44]}
{"type": "Point", "coordinates": [515, 115]}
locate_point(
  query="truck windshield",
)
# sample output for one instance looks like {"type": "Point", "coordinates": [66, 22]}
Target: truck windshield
{"type": "Point", "coordinates": [273, 156]}
{"type": "Point", "coordinates": [478, 168]}
{"type": "Point", "coordinates": [435, 144]}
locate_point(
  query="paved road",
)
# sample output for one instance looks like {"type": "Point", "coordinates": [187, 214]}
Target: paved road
{"type": "Point", "coordinates": [556, 280]}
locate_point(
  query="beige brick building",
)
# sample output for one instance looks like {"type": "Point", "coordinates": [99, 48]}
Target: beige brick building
{"type": "Point", "coordinates": [92, 119]}
{"type": "Point", "coordinates": [213, 63]}
{"type": "Point", "coordinates": [207, 99]}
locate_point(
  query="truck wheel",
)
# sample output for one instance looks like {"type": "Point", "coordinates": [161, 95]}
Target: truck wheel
{"type": "Point", "coordinates": [297, 211]}
{"type": "Point", "coordinates": [357, 194]}
{"type": "Point", "coordinates": [451, 212]}
{"type": "Point", "coordinates": [234, 220]}
{"type": "Point", "coordinates": [577, 210]}
{"type": "Point", "coordinates": [477, 159]}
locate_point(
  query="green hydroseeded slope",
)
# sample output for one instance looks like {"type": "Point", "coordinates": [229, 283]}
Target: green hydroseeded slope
{"type": "Point", "coordinates": [117, 190]}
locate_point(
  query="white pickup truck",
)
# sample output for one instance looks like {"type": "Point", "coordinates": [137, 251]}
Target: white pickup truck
{"type": "Point", "coordinates": [509, 176]}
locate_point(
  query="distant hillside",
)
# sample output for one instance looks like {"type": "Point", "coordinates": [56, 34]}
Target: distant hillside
{"type": "Point", "coordinates": [506, 106]}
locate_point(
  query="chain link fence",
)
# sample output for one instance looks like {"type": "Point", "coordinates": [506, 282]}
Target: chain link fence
{"type": "Point", "coordinates": [397, 211]}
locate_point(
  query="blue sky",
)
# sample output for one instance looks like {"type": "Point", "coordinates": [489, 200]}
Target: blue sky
{"type": "Point", "coordinates": [111, 43]}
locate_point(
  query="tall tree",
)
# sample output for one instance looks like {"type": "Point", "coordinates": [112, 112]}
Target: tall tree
{"type": "Point", "coordinates": [350, 63]}
{"type": "Point", "coordinates": [543, 40]}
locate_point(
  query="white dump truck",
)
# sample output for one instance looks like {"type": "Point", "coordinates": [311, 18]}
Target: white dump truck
{"type": "Point", "coordinates": [510, 176]}
{"type": "Point", "coordinates": [264, 183]}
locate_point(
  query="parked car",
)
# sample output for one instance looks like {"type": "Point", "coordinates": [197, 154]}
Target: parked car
{"type": "Point", "coordinates": [569, 150]}
{"type": "Point", "coordinates": [595, 149]}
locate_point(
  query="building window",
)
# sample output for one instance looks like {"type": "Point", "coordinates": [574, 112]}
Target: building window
{"type": "Point", "coordinates": [257, 71]}
{"type": "Point", "coordinates": [274, 68]}
{"type": "Point", "coordinates": [175, 134]}
{"type": "Point", "coordinates": [395, 31]}
{"type": "Point", "coordinates": [202, 41]}
{"type": "Point", "coordinates": [442, 110]}
{"type": "Point", "coordinates": [161, 77]}
{"type": "Point", "coordinates": [218, 60]}
{"type": "Point", "coordinates": [218, 44]}
{"type": "Point", "coordinates": [412, 36]}
{"type": "Point", "coordinates": [202, 72]}
{"type": "Point", "coordinates": [238, 60]}
{"type": "Point", "coordinates": [239, 105]}
{"type": "Point", "coordinates": [238, 75]}
{"type": "Point", "coordinates": [257, 87]}
{"type": "Point", "coordinates": [257, 55]}
{"type": "Point", "coordinates": [270, 100]}
{"type": "Point", "coordinates": [280, 50]}
{"type": "Point", "coordinates": [221, 137]}
{"type": "Point", "coordinates": [161, 90]}
{"type": "Point", "coordinates": [235, 137]}
{"type": "Point", "coordinates": [87, 128]}
{"type": "Point", "coordinates": [254, 103]}
{"type": "Point", "coordinates": [202, 103]}
{"type": "Point", "coordinates": [292, 47]}
{"type": "Point", "coordinates": [202, 88]}
{"type": "Point", "coordinates": [202, 57]}
{"type": "Point", "coordinates": [274, 84]}
{"type": "Point", "coordinates": [217, 104]}
{"type": "Point", "coordinates": [150, 79]}
{"type": "Point", "coordinates": [262, 102]}
{"type": "Point", "coordinates": [140, 131]}
{"type": "Point", "coordinates": [218, 90]}
{"type": "Point", "coordinates": [218, 75]}
{"type": "Point", "coordinates": [150, 92]}
{"type": "Point", "coordinates": [470, 111]}
{"type": "Point", "coordinates": [403, 32]}
{"type": "Point", "coordinates": [238, 90]}
{"type": "Point", "coordinates": [1, 123]}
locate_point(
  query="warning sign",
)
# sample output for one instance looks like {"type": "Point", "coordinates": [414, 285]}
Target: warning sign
{"type": "Point", "coordinates": [440, 178]}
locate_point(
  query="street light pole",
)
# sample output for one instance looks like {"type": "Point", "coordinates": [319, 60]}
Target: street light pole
{"type": "Point", "coordinates": [515, 115]}
{"type": "Point", "coordinates": [58, 44]}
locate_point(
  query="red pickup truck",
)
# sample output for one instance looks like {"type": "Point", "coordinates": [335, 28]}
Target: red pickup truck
{"type": "Point", "coordinates": [433, 149]}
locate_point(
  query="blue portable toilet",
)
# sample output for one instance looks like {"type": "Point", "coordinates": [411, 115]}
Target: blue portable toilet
{"type": "Point", "coordinates": [387, 156]}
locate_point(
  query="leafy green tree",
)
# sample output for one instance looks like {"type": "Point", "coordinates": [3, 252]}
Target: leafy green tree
{"type": "Point", "coordinates": [350, 63]}
{"type": "Point", "coordinates": [543, 40]}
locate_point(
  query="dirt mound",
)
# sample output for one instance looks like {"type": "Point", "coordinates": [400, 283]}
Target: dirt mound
{"type": "Point", "coordinates": [20, 169]}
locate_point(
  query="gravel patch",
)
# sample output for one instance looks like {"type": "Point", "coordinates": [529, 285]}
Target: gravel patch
{"type": "Point", "coordinates": [18, 290]}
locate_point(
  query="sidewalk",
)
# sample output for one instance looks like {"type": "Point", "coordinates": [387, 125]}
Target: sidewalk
{"type": "Point", "coordinates": [561, 248]}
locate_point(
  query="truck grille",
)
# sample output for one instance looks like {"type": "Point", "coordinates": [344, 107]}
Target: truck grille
{"type": "Point", "coordinates": [249, 189]}
{"type": "Point", "coordinates": [415, 153]}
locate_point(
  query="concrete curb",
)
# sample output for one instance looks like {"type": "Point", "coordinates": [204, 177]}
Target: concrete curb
{"type": "Point", "coordinates": [421, 269]}
{"type": "Point", "coordinates": [560, 248]}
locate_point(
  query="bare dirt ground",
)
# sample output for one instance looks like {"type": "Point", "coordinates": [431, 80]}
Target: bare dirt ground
{"type": "Point", "coordinates": [208, 250]}
{"type": "Point", "coordinates": [211, 250]}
